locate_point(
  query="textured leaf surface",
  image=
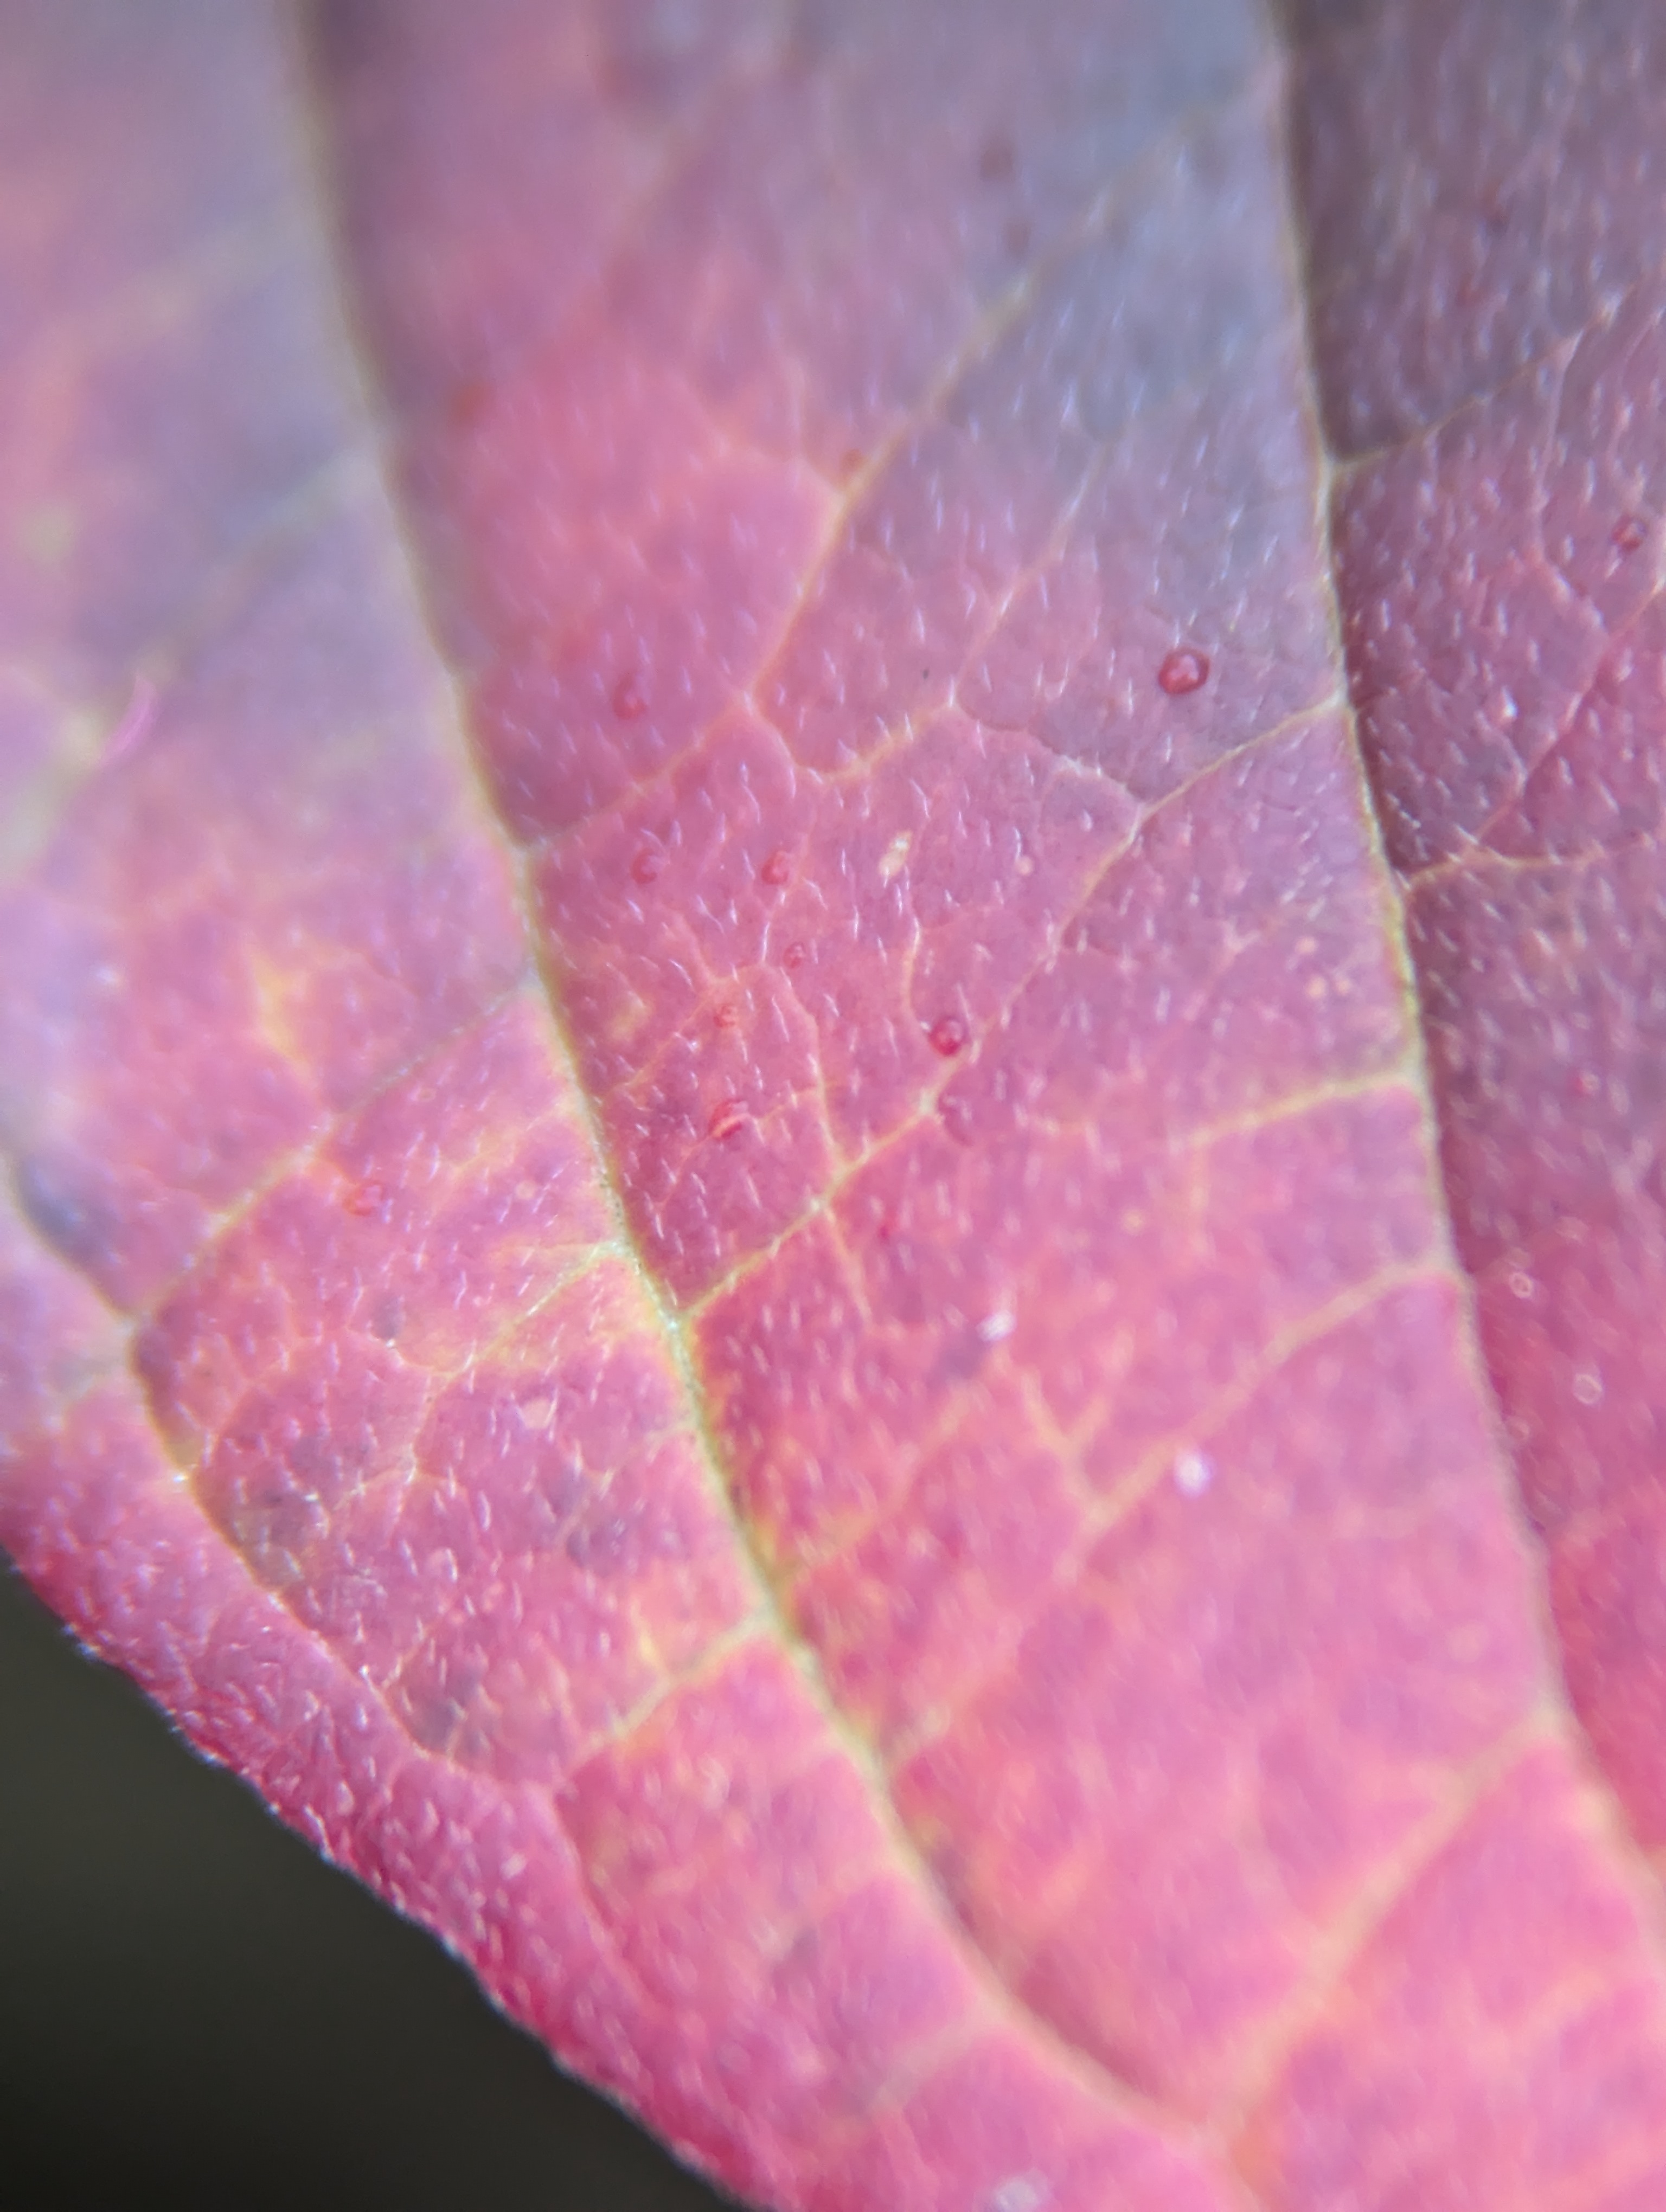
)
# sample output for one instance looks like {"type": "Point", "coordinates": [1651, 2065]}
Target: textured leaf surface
{"type": "Point", "coordinates": [728, 1240]}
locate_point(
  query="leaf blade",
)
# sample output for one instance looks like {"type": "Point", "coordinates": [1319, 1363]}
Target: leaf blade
{"type": "Point", "coordinates": [697, 1881]}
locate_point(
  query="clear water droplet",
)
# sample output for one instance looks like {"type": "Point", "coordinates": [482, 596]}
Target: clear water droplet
{"type": "Point", "coordinates": [1183, 670]}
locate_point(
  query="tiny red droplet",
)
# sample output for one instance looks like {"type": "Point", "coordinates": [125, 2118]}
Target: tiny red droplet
{"type": "Point", "coordinates": [727, 1120]}
{"type": "Point", "coordinates": [777, 868]}
{"type": "Point", "coordinates": [366, 1198]}
{"type": "Point", "coordinates": [795, 955]}
{"type": "Point", "coordinates": [1183, 670]}
{"type": "Point", "coordinates": [947, 1034]}
{"type": "Point", "coordinates": [648, 864]}
{"type": "Point", "coordinates": [727, 1016]}
{"type": "Point", "coordinates": [1629, 532]}
{"type": "Point", "coordinates": [629, 703]}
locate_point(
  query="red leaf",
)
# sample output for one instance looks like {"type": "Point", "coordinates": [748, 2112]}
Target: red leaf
{"type": "Point", "coordinates": [838, 1366]}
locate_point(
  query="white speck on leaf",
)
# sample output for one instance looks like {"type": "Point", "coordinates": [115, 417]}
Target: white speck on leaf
{"type": "Point", "coordinates": [895, 854]}
{"type": "Point", "coordinates": [1021, 2193]}
{"type": "Point", "coordinates": [1193, 1474]}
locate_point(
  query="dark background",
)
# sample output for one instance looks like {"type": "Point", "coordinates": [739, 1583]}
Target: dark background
{"type": "Point", "coordinates": [196, 2013]}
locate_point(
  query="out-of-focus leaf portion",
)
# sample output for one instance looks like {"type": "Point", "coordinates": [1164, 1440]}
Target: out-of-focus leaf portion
{"type": "Point", "coordinates": [1491, 330]}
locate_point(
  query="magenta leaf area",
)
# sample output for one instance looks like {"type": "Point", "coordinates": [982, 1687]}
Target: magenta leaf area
{"type": "Point", "coordinates": [832, 1046]}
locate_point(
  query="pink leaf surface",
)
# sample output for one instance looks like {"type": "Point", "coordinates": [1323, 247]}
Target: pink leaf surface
{"type": "Point", "coordinates": [832, 1045]}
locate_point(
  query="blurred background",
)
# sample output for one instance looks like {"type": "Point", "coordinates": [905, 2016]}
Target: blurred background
{"type": "Point", "coordinates": [196, 2013]}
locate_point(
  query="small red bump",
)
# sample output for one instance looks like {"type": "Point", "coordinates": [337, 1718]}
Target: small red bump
{"type": "Point", "coordinates": [727, 1016]}
{"type": "Point", "coordinates": [947, 1034]}
{"type": "Point", "coordinates": [795, 955]}
{"type": "Point", "coordinates": [956, 1115]}
{"type": "Point", "coordinates": [1183, 670]}
{"type": "Point", "coordinates": [727, 1120]}
{"type": "Point", "coordinates": [468, 403]}
{"type": "Point", "coordinates": [648, 862]}
{"type": "Point", "coordinates": [997, 161]}
{"type": "Point", "coordinates": [777, 868]}
{"type": "Point", "coordinates": [629, 703]}
{"type": "Point", "coordinates": [366, 1199]}
{"type": "Point", "coordinates": [1629, 532]}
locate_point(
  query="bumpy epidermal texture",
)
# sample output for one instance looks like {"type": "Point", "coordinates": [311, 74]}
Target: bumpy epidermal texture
{"type": "Point", "coordinates": [335, 1406]}
{"type": "Point", "coordinates": [973, 938]}
{"type": "Point", "coordinates": [1489, 330]}
{"type": "Point", "coordinates": [1002, 1052]}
